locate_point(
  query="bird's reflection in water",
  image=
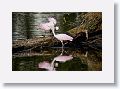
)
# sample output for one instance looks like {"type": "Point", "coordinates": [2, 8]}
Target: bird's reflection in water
{"type": "Point", "coordinates": [55, 63]}
{"type": "Point", "coordinates": [57, 59]}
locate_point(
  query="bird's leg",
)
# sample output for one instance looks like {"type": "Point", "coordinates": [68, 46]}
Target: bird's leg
{"type": "Point", "coordinates": [62, 51]}
{"type": "Point", "coordinates": [62, 44]}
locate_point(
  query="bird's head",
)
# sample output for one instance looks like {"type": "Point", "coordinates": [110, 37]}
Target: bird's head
{"type": "Point", "coordinates": [52, 20]}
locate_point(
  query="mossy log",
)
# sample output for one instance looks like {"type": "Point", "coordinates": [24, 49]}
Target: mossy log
{"type": "Point", "coordinates": [94, 41]}
{"type": "Point", "coordinates": [20, 45]}
{"type": "Point", "coordinates": [30, 42]}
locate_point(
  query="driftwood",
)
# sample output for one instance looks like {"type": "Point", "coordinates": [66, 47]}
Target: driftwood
{"type": "Point", "coordinates": [20, 45]}
{"type": "Point", "coordinates": [94, 41]}
{"type": "Point", "coordinates": [30, 42]}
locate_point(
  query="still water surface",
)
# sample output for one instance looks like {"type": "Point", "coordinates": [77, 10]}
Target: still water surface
{"type": "Point", "coordinates": [58, 59]}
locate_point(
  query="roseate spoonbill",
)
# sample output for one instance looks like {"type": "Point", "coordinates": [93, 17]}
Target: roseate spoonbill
{"type": "Point", "coordinates": [49, 25]}
{"type": "Point", "coordinates": [62, 37]}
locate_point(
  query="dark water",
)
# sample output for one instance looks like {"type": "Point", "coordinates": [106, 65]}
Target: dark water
{"type": "Point", "coordinates": [58, 59]}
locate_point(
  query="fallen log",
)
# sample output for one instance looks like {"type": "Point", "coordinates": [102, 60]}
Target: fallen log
{"type": "Point", "coordinates": [20, 45]}
{"type": "Point", "coordinates": [29, 42]}
{"type": "Point", "coordinates": [95, 39]}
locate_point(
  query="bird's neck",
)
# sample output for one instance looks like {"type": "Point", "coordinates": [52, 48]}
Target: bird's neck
{"type": "Point", "coordinates": [53, 31]}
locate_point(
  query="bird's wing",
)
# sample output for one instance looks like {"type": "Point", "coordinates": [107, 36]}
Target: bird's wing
{"type": "Point", "coordinates": [64, 37]}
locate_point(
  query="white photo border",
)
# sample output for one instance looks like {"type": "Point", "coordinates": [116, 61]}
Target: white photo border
{"type": "Point", "coordinates": [104, 76]}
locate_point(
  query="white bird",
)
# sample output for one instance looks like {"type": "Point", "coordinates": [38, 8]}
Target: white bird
{"type": "Point", "coordinates": [61, 37]}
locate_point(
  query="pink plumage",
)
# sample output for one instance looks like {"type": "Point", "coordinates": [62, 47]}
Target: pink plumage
{"type": "Point", "coordinates": [45, 65]}
{"type": "Point", "coordinates": [49, 25]}
{"type": "Point", "coordinates": [46, 26]}
{"type": "Point", "coordinates": [52, 20]}
{"type": "Point", "coordinates": [63, 37]}
{"type": "Point", "coordinates": [63, 58]}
